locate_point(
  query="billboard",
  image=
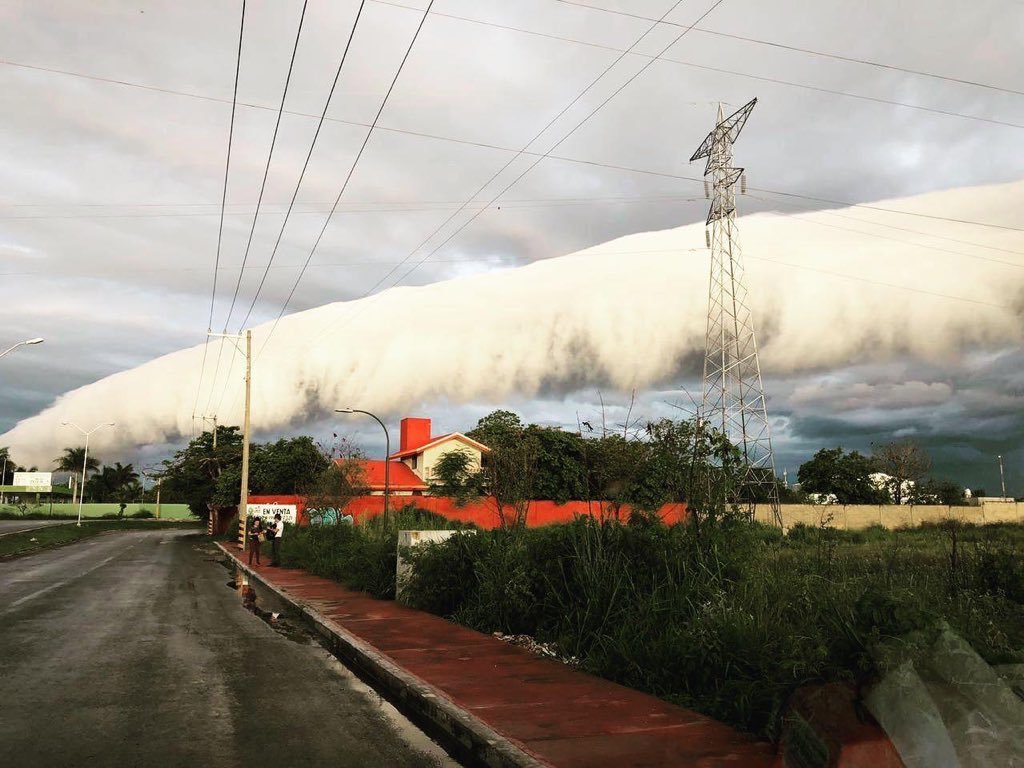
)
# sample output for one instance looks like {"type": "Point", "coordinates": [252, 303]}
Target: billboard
{"type": "Point", "coordinates": [289, 512]}
{"type": "Point", "coordinates": [33, 479]}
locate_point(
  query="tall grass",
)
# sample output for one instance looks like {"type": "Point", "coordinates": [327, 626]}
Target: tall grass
{"type": "Point", "coordinates": [731, 624]}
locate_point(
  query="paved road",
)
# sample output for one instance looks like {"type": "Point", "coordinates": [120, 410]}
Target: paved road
{"type": "Point", "coordinates": [13, 526]}
{"type": "Point", "coordinates": [129, 649]}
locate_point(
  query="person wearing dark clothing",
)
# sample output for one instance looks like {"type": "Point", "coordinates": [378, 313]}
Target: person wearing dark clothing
{"type": "Point", "coordinates": [255, 536]}
{"type": "Point", "coordinates": [275, 543]}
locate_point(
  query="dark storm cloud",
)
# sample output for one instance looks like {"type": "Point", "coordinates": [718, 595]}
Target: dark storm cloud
{"type": "Point", "coordinates": [110, 194]}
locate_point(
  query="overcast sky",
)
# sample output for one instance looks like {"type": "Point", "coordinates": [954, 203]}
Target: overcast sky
{"type": "Point", "coordinates": [116, 126]}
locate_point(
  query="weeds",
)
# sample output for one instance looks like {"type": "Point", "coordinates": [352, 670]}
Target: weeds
{"type": "Point", "coordinates": [730, 624]}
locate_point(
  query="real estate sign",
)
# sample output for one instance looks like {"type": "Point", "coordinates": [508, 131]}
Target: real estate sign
{"type": "Point", "coordinates": [288, 512]}
{"type": "Point", "coordinates": [33, 479]}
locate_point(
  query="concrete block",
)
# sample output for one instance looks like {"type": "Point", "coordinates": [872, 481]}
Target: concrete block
{"type": "Point", "coordinates": [403, 568]}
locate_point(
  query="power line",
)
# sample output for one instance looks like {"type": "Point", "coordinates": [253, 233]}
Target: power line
{"type": "Point", "coordinates": [551, 149]}
{"type": "Point", "coordinates": [223, 203]}
{"type": "Point", "coordinates": [270, 156]}
{"type": "Point", "coordinates": [810, 51]}
{"type": "Point", "coordinates": [351, 170]}
{"type": "Point", "coordinates": [263, 185]}
{"type": "Point", "coordinates": [305, 165]}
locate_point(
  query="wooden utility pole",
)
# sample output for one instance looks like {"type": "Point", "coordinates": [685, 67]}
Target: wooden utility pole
{"type": "Point", "coordinates": [244, 496]}
{"type": "Point", "coordinates": [244, 500]}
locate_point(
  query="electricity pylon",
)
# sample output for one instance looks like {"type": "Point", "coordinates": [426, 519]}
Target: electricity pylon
{"type": "Point", "coordinates": [733, 400]}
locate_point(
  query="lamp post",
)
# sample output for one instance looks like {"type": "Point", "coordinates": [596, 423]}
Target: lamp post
{"type": "Point", "coordinates": [85, 459]}
{"type": "Point", "coordinates": [21, 344]}
{"type": "Point", "coordinates": [387, 454]}
{"type": "Point", "coordinates": [1002, 477]}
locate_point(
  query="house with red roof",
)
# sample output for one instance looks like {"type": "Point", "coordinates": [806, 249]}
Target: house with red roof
{"type": "Point", "coordinates": [418, 451]}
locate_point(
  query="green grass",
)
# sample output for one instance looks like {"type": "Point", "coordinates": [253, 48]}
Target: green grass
{"type": "Point", "coordinates": [30, 542]}
{"type": "Point", "coordinates": [69, 511]}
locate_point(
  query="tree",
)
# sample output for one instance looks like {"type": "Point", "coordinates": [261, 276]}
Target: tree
{"type": "Point", "coordinates": [113, 484]}
{"type": "Point", "coordinates": [561, 463]}
{"type": "Point", "coordinates": [932, 491]}
{"type": "Point", "coordinates": [329, 493]}
{"type": "Point", "coordinates": [288, 466]}
{"type": "Point", "coordinates": [905, 462]}
{"type": "Point", "coordinates": [457, 476]}
{"type": "Point", "coordinates": [510, 477]}
{"type": "Point", "coordinates": [71, 461]}
{"type": "Point", "coordinates": [8, 467]}
{"type": "Point", "coordinates": [192, 473]}
{"type": "Point", "coordinates": [844, 474]}
{"type": "Point", "coordinates": [497, 428]}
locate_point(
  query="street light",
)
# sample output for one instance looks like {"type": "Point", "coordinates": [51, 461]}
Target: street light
{"type": "Point", "coordinates": [85, 458]}
{"type": "Point", "coordinates": [387, 454]}
{"type": "Point", "coordinates": [22, 344]}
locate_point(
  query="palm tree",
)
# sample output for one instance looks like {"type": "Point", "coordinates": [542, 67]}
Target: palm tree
{"type": "Point", "coordinates": [71, 461]}
{"type": "Point", "coordinates": [113, 483]}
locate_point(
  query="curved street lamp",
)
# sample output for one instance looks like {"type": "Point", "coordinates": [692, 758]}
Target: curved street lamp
{"type": "Point", "coordinates": [22, 344]}
{"type": "Point", "coordinates": [85, 458]}
{"type": "Point", "coordinates": [387, 454]}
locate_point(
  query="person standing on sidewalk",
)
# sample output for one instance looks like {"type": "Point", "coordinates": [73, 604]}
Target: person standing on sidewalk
{"type": "Point", "coordinates": [255, 535]}
{"type": "Point", "coordinates": [275, 546]}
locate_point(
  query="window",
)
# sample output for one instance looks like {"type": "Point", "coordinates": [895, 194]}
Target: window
{"type": "Point", "coordinates": [412, 461]}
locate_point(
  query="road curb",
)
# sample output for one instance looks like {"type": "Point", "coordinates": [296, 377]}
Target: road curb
{"type": "Point", "coordinates": [463, 734]}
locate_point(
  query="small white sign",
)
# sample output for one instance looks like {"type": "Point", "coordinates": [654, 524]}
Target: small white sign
{"type": "Point", "coordinates": [33, 479]}
{"type": "Point", "coordinates": [288, 512]}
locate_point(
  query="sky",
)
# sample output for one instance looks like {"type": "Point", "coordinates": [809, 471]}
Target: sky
{"type": "Point", "coordinates": [115, 139]}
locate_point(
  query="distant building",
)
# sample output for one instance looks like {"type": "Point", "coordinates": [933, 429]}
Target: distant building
{"type": "Point", "coordinates": [418, 451]}
{"type": "Point", "coordinates": [880, 481]}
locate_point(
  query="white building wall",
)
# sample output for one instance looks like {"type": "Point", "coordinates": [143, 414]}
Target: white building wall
{"type": "Point", "coordinates": [430, 457]}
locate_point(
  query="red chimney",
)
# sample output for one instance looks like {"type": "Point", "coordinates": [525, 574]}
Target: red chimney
{"type": "Point", "coordinates": [415, 432]}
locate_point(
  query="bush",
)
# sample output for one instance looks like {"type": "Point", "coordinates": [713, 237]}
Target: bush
{"type": "Point", "coordinates": [729, 623]}
{"type": "Point", "coordinates": [142, 514]}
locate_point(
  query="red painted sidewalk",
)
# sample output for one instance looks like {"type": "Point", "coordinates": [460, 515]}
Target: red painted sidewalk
{"type": "Point", "coordinates": [559, 716]}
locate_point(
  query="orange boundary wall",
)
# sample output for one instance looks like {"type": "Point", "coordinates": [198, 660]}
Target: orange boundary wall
{"type": "Point", "coordinates": [483, 513]}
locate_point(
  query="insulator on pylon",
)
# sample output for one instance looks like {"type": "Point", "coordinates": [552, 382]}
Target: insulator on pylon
{"type": "Point", "coordinates": [707, 189]}
{"type": "Point", "coordinates": [707, 238]}
{"type": "Point", "coordinates": [743, 184]}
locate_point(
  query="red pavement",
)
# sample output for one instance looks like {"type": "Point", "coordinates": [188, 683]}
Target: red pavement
{"type": "Point", "coordinates": [561, 717]}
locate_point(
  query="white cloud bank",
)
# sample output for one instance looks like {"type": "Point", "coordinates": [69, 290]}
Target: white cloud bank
{"type": "Point", "coordinates": [623, 314]}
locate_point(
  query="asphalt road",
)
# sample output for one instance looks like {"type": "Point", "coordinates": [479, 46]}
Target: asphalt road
{"type": "Point", "coordinates": [13, 526]}
{"type": "Point", "coordinates": [129, 649]}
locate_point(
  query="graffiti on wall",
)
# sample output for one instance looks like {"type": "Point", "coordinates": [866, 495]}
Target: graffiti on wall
{"type": "Point", "coordinates": [327, 516]}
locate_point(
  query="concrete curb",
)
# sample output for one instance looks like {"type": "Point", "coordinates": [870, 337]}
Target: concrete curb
{"type": "Point", "coordinates": [462, 733]}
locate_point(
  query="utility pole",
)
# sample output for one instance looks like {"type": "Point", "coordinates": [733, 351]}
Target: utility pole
{"type": "Point", "coordinates": [244, 495]}
{"type": "Point", "coordinates": [1002, 477]}
{"type": "Point", "coordinates": [243, 508]}
{"type": "Point", "coordinates": [733, 395]}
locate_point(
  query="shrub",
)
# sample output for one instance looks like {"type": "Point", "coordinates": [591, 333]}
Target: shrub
{"type": "Point", "coordinates": [142, 514]}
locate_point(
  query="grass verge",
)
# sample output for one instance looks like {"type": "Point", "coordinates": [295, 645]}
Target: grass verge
{"type": "Point", "coordinates": [30, 542]}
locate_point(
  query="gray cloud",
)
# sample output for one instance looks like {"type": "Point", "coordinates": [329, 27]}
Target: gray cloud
{"type": "Point", "coordinates": [110, 293]}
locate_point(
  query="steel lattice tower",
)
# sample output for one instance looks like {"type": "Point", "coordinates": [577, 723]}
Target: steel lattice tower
{"type": "Point", "coordinates": [733, 397]}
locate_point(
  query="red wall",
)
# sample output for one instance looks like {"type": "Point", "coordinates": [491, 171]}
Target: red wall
{"type": "Point", "coordinates": [483, 513]}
